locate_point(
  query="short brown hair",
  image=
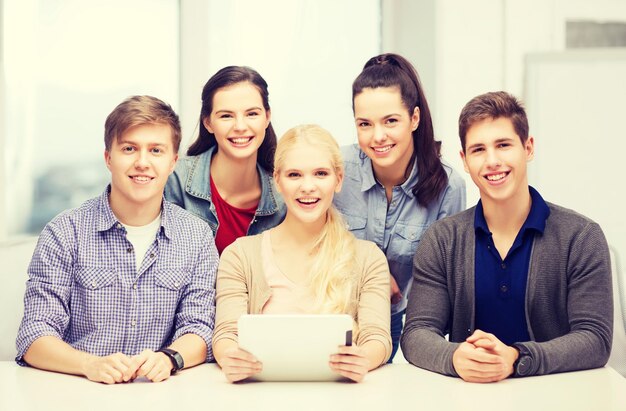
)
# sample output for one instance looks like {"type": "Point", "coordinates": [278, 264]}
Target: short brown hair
{"type": "Point", "coordinates": [493, 105]}
{"type": "Point", "coordinates": [140, 110]}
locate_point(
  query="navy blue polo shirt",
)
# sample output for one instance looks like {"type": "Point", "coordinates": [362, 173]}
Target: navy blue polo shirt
{"type": "Point", "coordinates": [500, 285]}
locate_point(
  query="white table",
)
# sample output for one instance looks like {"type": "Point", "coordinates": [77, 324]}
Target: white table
{"type": "Point", "coordinates": [392, 387]}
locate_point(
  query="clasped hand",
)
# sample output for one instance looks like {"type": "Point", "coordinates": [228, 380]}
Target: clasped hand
{"type": "Point", "coordinates": [482, 357]}
{"type": "Point", "coordinates": [118, 367]}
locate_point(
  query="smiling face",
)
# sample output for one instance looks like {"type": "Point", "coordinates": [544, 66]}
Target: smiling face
{"type": "Point", "coordinates": [140, 161]}
{"type": "Point", "coordinates": [238, 120]}
{"type": "Point", "coordinates": [384, 127]}
{"type": "Point", "coordinates": [496, 159]}
{"type": "Point", "coordinates": [307, 181]}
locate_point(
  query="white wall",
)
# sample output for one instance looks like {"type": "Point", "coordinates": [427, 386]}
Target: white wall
{"type": "Point", "coordinates": [467, 48]}
{"type": "Point", "coordinates": [3, 213]}
{"type": "Point", "coordinates": [576, 108]}
{"type": "Point", "coordinates": [194, 64]}
{"type": "Point", "coordinates": [308, 59]}
{"type": "Point", "coordinates": [460, 55]}
{"type": "Point", "coordinates": [420, 45]}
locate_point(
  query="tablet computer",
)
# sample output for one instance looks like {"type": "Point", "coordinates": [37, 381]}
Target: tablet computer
{"type": "Point", "coordinates": [295, 347]}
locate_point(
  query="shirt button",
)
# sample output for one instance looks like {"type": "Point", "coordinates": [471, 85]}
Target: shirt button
{"type": "Point", "coordinates": [118, 226]}
{"type": "Point", "coordinates": [133, 323]}
{"type": "Point", "coordinates": [504, 288]}
{"type": "Point", "coordinates": [129, 249]}
{"type": "Point", "coordinates": [503, 266]}
{"type": "Point", "coordinates": [134, 286]}
{"type": "Point", "coordinates": [176, 285]}
{"type": "Point", "coordinates": [151, 255]}
{"type": "Point", "coordinates": [94, 284]}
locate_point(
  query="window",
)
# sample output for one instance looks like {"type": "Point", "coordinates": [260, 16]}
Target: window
{"type": "Point", "coordinates": [66, 65]}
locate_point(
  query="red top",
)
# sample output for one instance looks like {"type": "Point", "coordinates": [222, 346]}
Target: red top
{"type": "Point", "coordinates": [233, 221]}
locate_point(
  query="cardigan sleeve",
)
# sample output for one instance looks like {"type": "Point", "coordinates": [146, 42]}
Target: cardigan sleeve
{"type": "Point", "coordinates": [589, 306]}
{"type": "Point", "coordinates": [231, 292]}
{"type": "Point", "coordinates": [429, 309]}
{"type": "Point", "coordinates": [373, 301]}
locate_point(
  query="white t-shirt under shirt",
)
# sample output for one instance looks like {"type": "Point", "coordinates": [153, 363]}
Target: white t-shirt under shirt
{"type": "Point", "coordinates": [142, 238]}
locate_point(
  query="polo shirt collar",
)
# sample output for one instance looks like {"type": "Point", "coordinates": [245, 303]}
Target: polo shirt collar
{"type": "Point", "coordinates": [536, 219]}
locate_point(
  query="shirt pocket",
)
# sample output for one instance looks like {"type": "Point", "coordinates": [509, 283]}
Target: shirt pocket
{"type": "Point", "coordinates": [356, 225]}
{"type": "Point", "coordinates": [404, 242]}
{"type": "Point", "coordinates": [171, 285]}
{"type": "Point", "coordinates": [95, 296]}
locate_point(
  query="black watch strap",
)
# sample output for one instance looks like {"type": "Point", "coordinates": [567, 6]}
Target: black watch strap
{"type": "Point", "coordinates": [177, 360]}
{"type": "Point", "coordinates": [523, 366]}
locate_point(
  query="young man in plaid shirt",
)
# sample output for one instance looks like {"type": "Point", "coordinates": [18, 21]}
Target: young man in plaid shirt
{"type": "Point", "coordinates": [124, 285]}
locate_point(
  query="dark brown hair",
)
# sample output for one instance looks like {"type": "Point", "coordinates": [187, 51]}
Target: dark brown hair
{"type": "Point", "coordinates": [392, 70]}
{"type": "Point", "coordinates": [493, 105]}
{"type": "Point", "coordinates": [229, 76]}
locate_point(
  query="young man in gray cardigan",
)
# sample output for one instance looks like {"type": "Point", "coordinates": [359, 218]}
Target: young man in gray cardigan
{"type": "Point", "coordinates": [521, 286]}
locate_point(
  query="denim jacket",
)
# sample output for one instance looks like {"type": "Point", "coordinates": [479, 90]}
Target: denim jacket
{"type": "Point", "coordinates": [189, 187]}
{"type": "Point", "coordinates": [395, 228]}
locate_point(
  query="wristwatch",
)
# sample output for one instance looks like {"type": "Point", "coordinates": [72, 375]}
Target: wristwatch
{"type": "Point", "coordinates": [523, 366]}
{"type": "Point", "coordinates": [177, 360]}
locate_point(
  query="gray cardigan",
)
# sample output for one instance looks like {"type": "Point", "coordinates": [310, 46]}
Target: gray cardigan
{"type": "Point", "coordinates": [569, 300]}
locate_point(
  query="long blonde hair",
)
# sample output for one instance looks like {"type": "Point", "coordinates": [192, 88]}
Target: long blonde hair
{"type": "Point", "coordinates": [332, 274]}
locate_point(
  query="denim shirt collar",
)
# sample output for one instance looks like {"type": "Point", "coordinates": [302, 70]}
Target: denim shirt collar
{"type": "Point", "coordinates": [198, 185]}
{"type": "Point", "coordinates": [368, 180]}
{"type": "Point", "coordinates": [107, 220]}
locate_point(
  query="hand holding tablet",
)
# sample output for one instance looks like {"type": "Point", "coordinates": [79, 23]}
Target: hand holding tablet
{"type": "Point", "coordinates": [299, 347]}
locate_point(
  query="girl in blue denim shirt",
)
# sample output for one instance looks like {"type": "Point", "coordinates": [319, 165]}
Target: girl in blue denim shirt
{"type": "Point", "coordinates": [395, 182]}
{"type": "Point", "coordinates": [226, 178]}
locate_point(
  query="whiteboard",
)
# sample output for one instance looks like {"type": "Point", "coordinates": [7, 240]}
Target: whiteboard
{"type": "Point", "coordinates": [576, 105]}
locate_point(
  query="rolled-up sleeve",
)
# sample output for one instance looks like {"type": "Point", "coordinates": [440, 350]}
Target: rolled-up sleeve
{"type": "Point", "coordinates": [46, 300]}
{"type": "Point", "coordinates": [196, 310]}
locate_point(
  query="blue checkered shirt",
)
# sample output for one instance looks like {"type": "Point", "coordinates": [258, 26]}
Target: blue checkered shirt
{"type": "Point", "coordinates": [84, 287]}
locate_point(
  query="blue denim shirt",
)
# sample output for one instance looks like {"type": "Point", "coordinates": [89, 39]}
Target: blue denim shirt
{"type": "Point", "coordinates": [396, 228]}
{"type": "Point", "coordinates": [189, 187]}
